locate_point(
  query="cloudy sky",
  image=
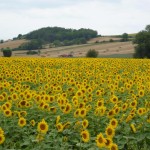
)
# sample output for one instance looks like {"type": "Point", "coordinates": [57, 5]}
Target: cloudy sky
{"type": "Point", "coordinates": [108, 17]}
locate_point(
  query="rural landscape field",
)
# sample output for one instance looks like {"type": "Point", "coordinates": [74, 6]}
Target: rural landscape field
{"type": "Point", "coordinates": [74, 103]}
{"type": "Point", "coordinates": [75, 75]}
{"type": "Point", "coordinates": [104, 47]}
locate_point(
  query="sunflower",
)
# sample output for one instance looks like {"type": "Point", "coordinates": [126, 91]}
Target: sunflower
{"type": "Point", "coordinates": [22, 122]}
{"type": "Point", "coordinates": [113, 147]}
{"type": "Point", "coordinates": [1, 131]}
{"type": "Point", "coordinates": [67, 108]}
{"type": "Point", "coordinates": [133, 128]}
{"type": "Point", "coordinates": [111, 113]}
{"type": "Point", "coordinates": [1, 98]}
{"type": "Point", "coordinates": [110, 132]}
{"type": "Point", "coordinates": [42, 127]}
{"type": "Point", "coordinates": [39, 137]}
{"type": "Point", "coordinates": [32, 122]}
{"type": "Point", "coordinates": [114, 122]}
{"type": "Point", "coordinates": [85, 136]}
{"type": "Point", "coordinates": [100, 140]}
{"type": "Point", "coordinates": [108, 142]}
{"type": "Point", "coordinates": [76, 113]}
{"type": "Point", "coordinates": [124, 107]}
{"type": "Point", "coordinates": [59, 127]}
{"type": "Point", "coordinates": [141, 93]}
{"type": "Point", "coordinates": [114, 99]}
{"type": "Point", "coordinates": [66, 125]}
{"type": "Point", "coordinates": [82, 112]}
{"type": "Point", "coordinates": [8, 113]}
{"type": "Point", "coordinates": [140, 111]}
{"type": "Point", "coordinates": [57, 119]}
{"type": "Point", "coordinates": [2, 139]}
{"type": "Point", "coordinates": [85, 123]}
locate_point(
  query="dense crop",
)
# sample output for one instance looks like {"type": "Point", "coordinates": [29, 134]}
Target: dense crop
{"type": "Point", "coordinates": [74, 104]}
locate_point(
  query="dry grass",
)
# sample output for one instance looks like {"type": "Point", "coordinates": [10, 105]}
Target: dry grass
{"type": "Point", "coordinates": [104, 49]}
{"type": "Point", "coordinates": [12, 44]}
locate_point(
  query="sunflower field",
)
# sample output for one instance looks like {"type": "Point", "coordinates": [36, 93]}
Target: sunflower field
{"type": "Point", "coordinates": [74, 104]}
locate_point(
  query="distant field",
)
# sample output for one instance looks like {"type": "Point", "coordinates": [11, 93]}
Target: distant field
{"type": "Point", "coordinates": [12, 44]}
{"type": "Point", "coordinates": [104, 49]}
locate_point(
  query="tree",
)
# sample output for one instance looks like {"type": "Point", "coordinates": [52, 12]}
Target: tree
{"type": "Point", "coordinates": [7, 52]}
{"type": "Point", "coordinates": [92, 53]}
{"type": "Point", "coordinates": [142, 39]}
{"type": "Point", "coordinates": [1, 41]}
{"type": "Point", "coordinates": [124, 37]}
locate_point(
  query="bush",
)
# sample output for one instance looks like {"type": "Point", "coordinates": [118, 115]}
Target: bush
{"type": "Point", "coordinates": [32, 52]}
{"type": "Point", "coordinates": [7, 52]}
{"type": "Point", "coordinates": [92, 53]}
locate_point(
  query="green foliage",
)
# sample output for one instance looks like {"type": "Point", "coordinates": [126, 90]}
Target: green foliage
{"type": "Point", "coordinates": [124, 37]}
{"type": "Point", "coordinates": [32, 45]}
{"type": "Point", "coordinates": [51, 34]}
{"type": "Point", "coordinates": [92, 53]}
{"type": "Point", "coordinates": [30, 52]}
{"type": "Point", "coordinates": [7, 52]}
{"type": "Point", "coordinates": [142, 50]}
{"type": "Point", "coordinates": [1, 41]}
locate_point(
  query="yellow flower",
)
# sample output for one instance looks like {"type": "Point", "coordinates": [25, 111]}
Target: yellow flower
{"type": "Point", "coordinates": [22, 122]}
{"type": "Point", "coordinates": [114, 122]}
{"type": "Point", "coordinates": [133, 128]}
{"type": "Point", "coordinates": [85, 136]}
{"type": "Point", "coordinates": [42, 127]}
{"type": "Point", "coordinates": [85, 123]}
{"type": "Point", "coordinates": [39, 137]}
{"type": "Point", "coordinates": [57, 119]}
{"type": "Point", "coordinates": [100, 140]}
{"type": "Point", "coordinates": [1, 131]}
{"type": "Point", "coordinates": [59, 127]}
{"type": "Point", "coordinates": [108, 142]}
{"type": "Point", "coordinates": [82, 112]}
{"type": "Point", "coordinates": [110, 132]}
{"type": "Point", "coordinates": [2, 138]}
{"type": "Point", "coordinates": [32, 122]}
{"type": "Point", "coordinates": [113, 147]}
{"type": "Point", "coordinates": [8, 113]}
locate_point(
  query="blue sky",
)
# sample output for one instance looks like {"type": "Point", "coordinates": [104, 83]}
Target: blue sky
{"type": "Point", "coordinates": [108, 17]}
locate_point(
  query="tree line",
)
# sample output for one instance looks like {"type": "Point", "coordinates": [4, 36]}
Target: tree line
{"type": "Point", "coordinates": [57, 36]}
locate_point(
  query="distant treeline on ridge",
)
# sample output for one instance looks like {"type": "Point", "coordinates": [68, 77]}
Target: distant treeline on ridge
{"type": "Point", "coordinates": [57, 36]}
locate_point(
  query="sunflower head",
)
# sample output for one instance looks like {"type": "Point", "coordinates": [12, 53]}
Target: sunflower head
{"type": "Point", "coordinates": [42, 127]}
{"type": "Point", "coordinates": [85, 136]}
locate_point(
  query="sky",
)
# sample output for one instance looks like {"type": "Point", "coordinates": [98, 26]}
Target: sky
{"type": "Point", "coordinates": [108, 17]}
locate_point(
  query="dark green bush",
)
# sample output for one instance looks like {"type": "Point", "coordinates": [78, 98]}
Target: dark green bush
{"type": "Point", "coordinates": [30, 52]}
{"type": "Point", "coordinates": [92, 53]}
{"type": "Point", "coordinates": [7, 52]}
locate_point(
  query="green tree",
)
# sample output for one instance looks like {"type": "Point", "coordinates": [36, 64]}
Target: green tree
{"type": "Point", "coordinates": [7, 52]}
{"type": "Point", "coordinates": [124, 37]}
{"type": "Point", "coordinates": [92, 53]}
{"type": "Point", "coordinates": [142, 39]}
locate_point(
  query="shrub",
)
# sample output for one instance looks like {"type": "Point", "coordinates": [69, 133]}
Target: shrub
{"type": "Point", "coordinates": [92, 53]}
{"type": "Point", "coordinates": [32, 52]}
{"type": "Point", "coordinates": [7, 52]}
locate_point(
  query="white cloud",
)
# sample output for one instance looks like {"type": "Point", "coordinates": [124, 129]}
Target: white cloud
{"type": "Point", "coordinates": [105, 16]}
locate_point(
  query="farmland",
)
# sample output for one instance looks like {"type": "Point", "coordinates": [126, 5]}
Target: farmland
{"type": "Point", "coordinates": [76, 103]}
{"type": "Point", "coordinates": [103, 46]}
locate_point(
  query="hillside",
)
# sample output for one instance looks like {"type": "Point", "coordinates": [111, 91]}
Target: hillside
{"type": "Point", "coordinates": [108, 49]}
